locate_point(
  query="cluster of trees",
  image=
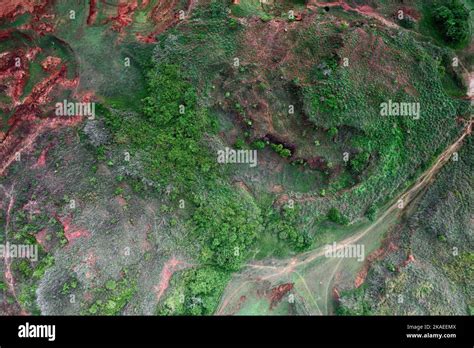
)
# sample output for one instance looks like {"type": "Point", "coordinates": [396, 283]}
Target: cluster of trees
{"type": "Point", "coordinates": [281, 150]}
{"type": "Point", "coordinates": [452, 20]}
{"type": "Point", "coordinates": [337, 217]}
{"type": "Point", "coordinates": [226, 224]}
{"type": "Point", "coordinates": [168, 134]}
{"type": "Point", "coordinates": [195, 292]}
{"type": "Point", "coordinates": [284, 225]}
{"type": "Point", "coordinates": [359, 162]}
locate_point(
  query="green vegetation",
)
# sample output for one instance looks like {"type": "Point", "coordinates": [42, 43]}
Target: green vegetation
{"type": "Point", "coordinates": [334, 215]}
{"type": "Point", "coordinates": [69, 286]}
{"type": "Point", "coordinates": [168, 119]}
{"type": "Point", "coordinates": [359, 162]}
{"type": "Point", "coordinates": [226, 224]}
{"type": "Point", "coordinates": [353, 302]}
{"type": "Point", "coordinates": [389, 151]}
{"type": "Point", "coordinates": [247, 8]}
{"type": "Point", "coordinates": [452, 20]}
{"type": "Point", "coordinates": [112, 298]}
{"type": "Point", "coordinates": [461, 268]}
{"type": "Point", "coordinates": [281, 150]}
{"type": "Point", "coordinates": [259, 144]}
{"type": "Point", "coordinates": [195, 292]}
{"type": "Point", "coordinates": [168, 135]}
{"type": "Point", "coordinates": [284, 225]}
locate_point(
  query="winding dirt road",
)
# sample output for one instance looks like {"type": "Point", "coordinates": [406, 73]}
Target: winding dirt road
{"type": "Point", "coordinates": [281, 270]}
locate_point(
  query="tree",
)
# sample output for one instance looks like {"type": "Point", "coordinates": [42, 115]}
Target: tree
{"type": "Point", "coordinates": [336, 216]}
{"type": "Point", "coordinates": [226, 223]}
{"type": "Point", "coordinates": [452, 20]}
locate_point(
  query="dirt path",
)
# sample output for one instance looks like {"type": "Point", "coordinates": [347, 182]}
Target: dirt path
{"type": "Point", "coordinates": [8, 261]}
{"type": "Point", "coordinates": [275, 269]}
{"type": "Point", "coordinates": [405, 197]}
{"type": "Point", "coordinates": [364, 10]}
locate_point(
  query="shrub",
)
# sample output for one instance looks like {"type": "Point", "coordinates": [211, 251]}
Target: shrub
{"type": "Point", "coordinates": [281, 150]}
{"type": "Point", "coordinates": [452, 20]}
{"type": "Point", "coordinates": [336, 216]}
{"type": "Point", "coordinates": [226, 224]}
{"type": "Point", "coordinates": [259, 144]}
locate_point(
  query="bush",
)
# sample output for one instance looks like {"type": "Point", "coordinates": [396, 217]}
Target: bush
{"type": "Point", "coordinates": [259, 144]}
{"type": "Point", "coordinates": [407, 22]}
{"type": "Point", "coordinates": [371, 213]}
{"type": "Point", "coordinates": [196, 292]}
{"type": "Point", "coordinates": [336, 216]}
{"type": "Point", "coordinates": [284, 225]}
{"type": "Point", "coordinates": [281, 150]}
{"type": "Point", "coordinates": [359, 162]}
{"type": "Point", "coordinates": [452, 20]}
{"type": "Point", "coordinates": [226, 224]}
{"type": "Point", "coordinates": [168, 135]}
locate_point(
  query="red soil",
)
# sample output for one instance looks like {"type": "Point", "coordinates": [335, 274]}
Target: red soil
{"type": "Point", "coordinates": [41, 162]}
{"type": "Point", "coordinates": [335, 294]}
{"type": "Point", "coordinates": [409, 260]}
{"type": "Point", "coordinates": [40, 18]}
{"type": "Point", "coordinates": [41, 239]}
{"type": "Point", "coordinates": [13, 78]}
{"type": "Point", "coordinates": [26, 124]}
{"type": "Point", "coordinates": [170, 267]}
{"type": "Point", "coordinates": [13, 8]}
{"type": "Point", "coordinates": [121, 201]}
{"type": "Point", "coordinates": [278, 293]}
{"type": "Point", "coordinates": [377, 254]}
{"type": "Point", "coordinates": [164, 16]}
{"type": "Point", "coordinates": [363, 10]}
{"type": "Point", "coordinates": [50, 63]}
{"type": "Point", "coordinates": [92, 12]}
{"type": "Point", "coordinates": [124, 17]}
{"type": "Point", "coordinates": [318, 163]}
{"type": "Point", "coordinates": [71, 232]}
{"type": "Point", "coordinates": [410, 12]}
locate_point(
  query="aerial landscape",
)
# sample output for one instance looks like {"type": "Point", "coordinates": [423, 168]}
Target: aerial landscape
{"type": "Point", "coordinates": [236, 157]}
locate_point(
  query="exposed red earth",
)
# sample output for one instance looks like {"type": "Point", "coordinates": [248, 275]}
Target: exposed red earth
{"type": "Point", "coordinates": [41, 238]}
{"type": "Point", "coordinates": [27, 122]}
{"type": "Point", "coordinates": [278, 292]}
{"type": "Point", "coordinates": [72, 232]}
{"type": "Point", "coordinates": [375, 255]}
{"type": "Point", "coordinates": [92, 12]}
{"type": "Point", "coordinates": [170, 267]}
{"type": "Point", "coordinates": [13, 78]}
{"type": "Point", "coordinates": [38, 9]}
{"type": "Point", "coordinates": [29, 119]}
{"type": "Point", "coordinates": [364, 10]}
{"type": "Point", "coordinates": [165, 16]}
{"type": "Point", "coordinates": [13, 8]}
{"type": "Point", "coordinates": [50, 63]}
{"type": "Point", "coordinates": [124, 17]}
